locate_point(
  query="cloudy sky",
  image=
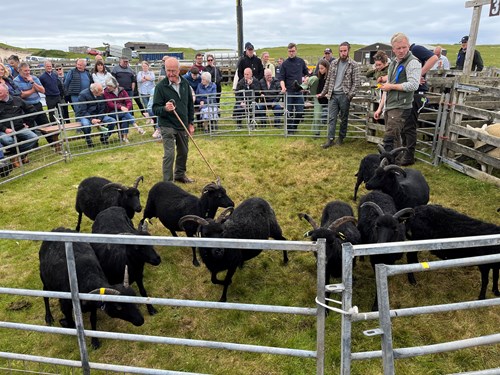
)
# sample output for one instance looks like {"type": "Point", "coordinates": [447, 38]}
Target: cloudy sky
{"type": "Point", "coordinates": [211, 24]}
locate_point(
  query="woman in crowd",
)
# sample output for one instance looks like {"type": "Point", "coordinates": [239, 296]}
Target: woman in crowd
{"type": "Point", "coordinates": [380, 66]}
{"type": "Point", "coordinates": [145, 82]}
{"type": "Point", "coordinates": [315, 85]}
{"type": "Point", "coordinates": [206, 93]}
{"type": "Point", "coordinates": [7, 79]}
{"type": "Point", "coordinates": [100, 74]}
{"type": "Point", "coordinates": [119, 104]}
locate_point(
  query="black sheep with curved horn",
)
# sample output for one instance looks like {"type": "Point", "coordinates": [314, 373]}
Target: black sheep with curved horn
{"type": "Point", "coordinates": [95, 194]}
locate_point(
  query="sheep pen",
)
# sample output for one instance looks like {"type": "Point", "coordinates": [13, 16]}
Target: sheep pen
{"type": "Point", "coordinates": [294, 175]}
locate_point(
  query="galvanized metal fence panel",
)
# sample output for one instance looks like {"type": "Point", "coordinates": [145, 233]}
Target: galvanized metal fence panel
{"type": "Point", "coordinates": [76, 297]}
{"type": "Point", "coordinates": [350, 313]}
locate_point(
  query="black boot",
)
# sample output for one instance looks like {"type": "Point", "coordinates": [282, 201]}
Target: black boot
{"type": "Point", "coordinates": [328, 143]}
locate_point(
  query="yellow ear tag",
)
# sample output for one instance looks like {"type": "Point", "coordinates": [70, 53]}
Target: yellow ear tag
{"type": "Point", "coordinates": [102, 291]}
{"type": "Point", "coordinates": [425, 265]}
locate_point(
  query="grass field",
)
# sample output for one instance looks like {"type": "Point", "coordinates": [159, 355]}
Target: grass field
{"type": "Point", "coordinates": [294, 175]}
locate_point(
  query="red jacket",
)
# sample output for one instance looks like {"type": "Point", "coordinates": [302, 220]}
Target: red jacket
{"type": "Point", "coordinates": [115, 105]}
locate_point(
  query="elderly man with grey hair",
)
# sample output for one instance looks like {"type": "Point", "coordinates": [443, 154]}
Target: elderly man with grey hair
{"type": "Point", "coordinates": [92, 112]}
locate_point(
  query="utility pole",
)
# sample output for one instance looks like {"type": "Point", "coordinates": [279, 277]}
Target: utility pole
{"type": "Point", "coordinates": [239, 25]}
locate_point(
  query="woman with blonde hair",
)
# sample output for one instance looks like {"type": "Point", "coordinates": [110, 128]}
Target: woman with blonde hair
{"type": "Point", "coordinates": [8, 81]}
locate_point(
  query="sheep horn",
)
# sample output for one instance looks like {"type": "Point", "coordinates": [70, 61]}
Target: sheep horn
{"type": "Point", "coordinates": [210, 186]}
{"type": "Point", "coordinates": [375, 206]}
{"type": "Point", "coordinates": [398, 150]}
{"type": "Point", "coordinates": [105, 291]}
{"type": "Point", "coordinates": [395, 168]}
{"type": "Point", "coordinates": [217, 181]}
{"type": "Point", "coordinates": [139, 179]}
{"type": "Point", "coordinates": [381, 148]}
{"type": "Point", "coordinates": [404, 211]}
{"type": "Point", "coordinates": [224, 214]}
{"type": "Point", "coordinates": [143, 227]}
{"type": "Point", "coordinates": [194, 218]}
{"type": "Point", "coordinates": [384, 162]}
{"type": "Point", "coordinates": [114, 185]}
{"type": "Point", "coordinates": [309, 219]}
{"type": "Point", "coordinates": [342, 220]}
{"type": "Point", "coordinates": [126, 278]}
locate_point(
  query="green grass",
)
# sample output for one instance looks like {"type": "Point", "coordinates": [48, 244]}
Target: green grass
{"type": "Point", "coordinates": [294, 175]}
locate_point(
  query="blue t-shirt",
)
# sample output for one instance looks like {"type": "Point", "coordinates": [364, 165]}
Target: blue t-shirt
{"type": "Point", "coordinates": [422, 54]}
{"type": "Point", "coordinates": [25, 85]}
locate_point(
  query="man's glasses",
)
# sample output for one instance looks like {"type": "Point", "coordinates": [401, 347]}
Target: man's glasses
{"type": "Point", "coordinates": [58, 69]}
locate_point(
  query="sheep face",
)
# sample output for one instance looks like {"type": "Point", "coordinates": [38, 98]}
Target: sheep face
{"type": "Point", "coordinates": [124, 311]}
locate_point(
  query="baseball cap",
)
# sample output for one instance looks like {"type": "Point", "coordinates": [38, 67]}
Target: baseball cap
{"type": "Point", "coordinates": [328, 50]}
{"type": "Point", "coordinates": [249, 45]}
{"type": "Point", "coordinates": [124, 58]}
{"type": "Point", "coordinates": [465, 39]}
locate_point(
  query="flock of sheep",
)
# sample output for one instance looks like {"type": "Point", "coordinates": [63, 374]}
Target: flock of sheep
{"type": "Point", "coordinates": [394, 210]}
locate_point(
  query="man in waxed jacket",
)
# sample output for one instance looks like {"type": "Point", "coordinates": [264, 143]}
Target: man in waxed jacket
{"type": "Point", "coordinates": [173, 98]}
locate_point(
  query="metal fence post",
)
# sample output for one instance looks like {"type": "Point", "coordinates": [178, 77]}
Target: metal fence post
{"type": "Point", "coordinates": [346, 340]}
{"type": "Point", "coordinates": [385, 318]}
{"type": "Point", "coordinates": [321, 311]}
{"type": "Point", "coordinates": [73, 282]}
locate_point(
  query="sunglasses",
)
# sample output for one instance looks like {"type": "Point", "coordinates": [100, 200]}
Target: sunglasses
{"type": "Point", "coordinates": [210, 60]}
{"type": "Point", "coordinates": [58, 68]}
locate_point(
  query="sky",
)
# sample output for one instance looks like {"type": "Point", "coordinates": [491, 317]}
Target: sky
{"type": "Point", "coordinates": [211, 24]}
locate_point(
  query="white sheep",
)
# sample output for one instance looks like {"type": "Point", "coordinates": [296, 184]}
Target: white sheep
{"type": "Point", "coordinates": [491, 130]}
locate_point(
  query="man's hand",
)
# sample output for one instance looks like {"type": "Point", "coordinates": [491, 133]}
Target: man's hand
{"type": "Point", "coordinates": [169, 107]}
{"type": "Point", "coordinates": [191, 129]}
{"type": "Point", "coordinates": [8, 131]}
{"type": "Point", "coordinates": [95, 121]}
{"type": "Point", "coordinates": [124, 109]}
{"type": "Point", "coordinates": [377, 114]}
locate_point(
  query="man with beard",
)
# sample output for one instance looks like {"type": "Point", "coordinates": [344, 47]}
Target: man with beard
{"type": "Point", "coordinates": [340, 87]}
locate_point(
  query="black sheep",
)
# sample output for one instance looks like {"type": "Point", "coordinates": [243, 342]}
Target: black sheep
{"type": "Point", "coordinates": [338, 225]}
{"type": "Point", "coordinates": [434, 222]}
{"type": "Point", "coordinates": [91, 278]}
{"type": "Point", "coordinates": [169, 203]}
{"type": "Point", "coordinates": [379, 222]}
{"type": "Point", "coordinates": [252, 219]}
{"type": "Point", "coordinates": [371, 162]}
{"type": "Point", "coordinates": [95, 194]}
{"type": "Point", "coordinates": [114, 257]}
{"type": "Point", "coordinates": [407, 187]}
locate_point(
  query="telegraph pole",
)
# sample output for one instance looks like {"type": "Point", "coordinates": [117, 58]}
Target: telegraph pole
{"type": "Point", "coordinates": [239, 24]}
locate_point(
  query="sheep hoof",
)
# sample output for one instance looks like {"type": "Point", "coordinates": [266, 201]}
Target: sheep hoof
{"type": "Point", "coordinates": [196, 263]}
{"type": "Point", "coordinates": [151, 310]}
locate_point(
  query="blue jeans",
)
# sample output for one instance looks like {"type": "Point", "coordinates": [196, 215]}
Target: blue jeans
{"type": "Point", "coordinates": [295, 108]}
{"type": "Point", "coordinates": [25, 138]}
{"type": "Point", "coordinates": [106, 121]}
{"type": "Point", "coordinates": [126, 119]}
{"type": "Point", "coordinates": [338, 105]}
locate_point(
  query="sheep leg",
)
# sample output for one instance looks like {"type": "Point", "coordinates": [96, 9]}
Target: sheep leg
{"type": "Point", "coordinates": [142, 291]}
{"type": "Point", "coordinates": [485, 271]}
{"type": "Point", "coordinates": [93, 323]}
{"type": "Point", "coordinates": [227, 281]}
{"type": "Point", "coordinates": [195, 259]}
{"type": "Point", "coordinates": [67, 310]}
{"type": "Point", "coordinates": [49, 319]}
{"type": "Point", "coordinates": [285, 256]}
{"type": "Point", "coordinates": [79, 222]}
{"type": "Point", "coordinates": [356, 187]}
{"type": "Point", "coordinates": [411, 258]}
{"type": "Point", "coordinates": [494, 289]}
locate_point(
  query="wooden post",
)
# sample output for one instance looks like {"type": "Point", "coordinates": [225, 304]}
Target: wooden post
{"type": "Point", "coordinates": [474, 27]}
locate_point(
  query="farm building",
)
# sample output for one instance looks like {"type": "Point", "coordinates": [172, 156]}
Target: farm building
{"type": "Point", "coordinates": [146, 46]}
